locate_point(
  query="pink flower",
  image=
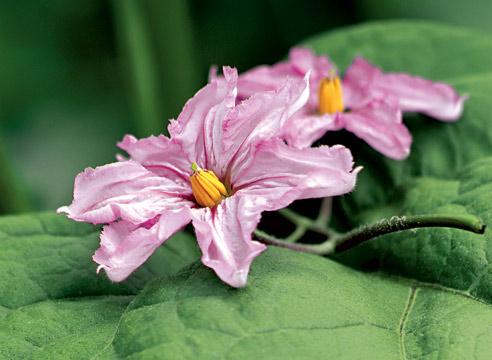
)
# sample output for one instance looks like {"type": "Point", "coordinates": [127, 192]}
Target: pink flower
{"type": "Point", "coordinates": [375, 100]}
{"type": "Point", "coordinates": [221, 167]}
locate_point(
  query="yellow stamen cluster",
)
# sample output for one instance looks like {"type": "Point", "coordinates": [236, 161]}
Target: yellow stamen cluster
{"type": "Point", "coordinates": [330, 95]}
{"type": "Point", "coordinates": [207, 189]}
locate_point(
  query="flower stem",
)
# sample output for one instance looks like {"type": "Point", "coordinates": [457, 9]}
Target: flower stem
{"type": "Point", "coordinates": [272, 240]}
{"type": "Point", "coordinates": [342, 242]}
{"type": "Point", "coordinates": [324, 212]}
{"type": "Point", "coordinates": [304, 224]}
{"type": "Point", "coordinates": [399, 223]}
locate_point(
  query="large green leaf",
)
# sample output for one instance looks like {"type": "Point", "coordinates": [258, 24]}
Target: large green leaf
{"type": "Point", "coordinates": [456, 259]}
{"type": "Point", "coordinates": [63, 329]}
{"type": "Point", "coordinates": [296, 306]}
{"type": "Point", "coordinates": [451, 11]}
{"type": "Point", "coordinates": [424, 48]}
{"type": "Point", "coordinates": [47, 256]}
{"type": "Point", "coordinates": [300, 307]}
{"type": "Point", "coordinates": [52, 303]}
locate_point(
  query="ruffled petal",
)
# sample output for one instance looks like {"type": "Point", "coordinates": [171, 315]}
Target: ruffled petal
{"type": "Point", "coordinates": [224, 237]}
{"type": "Point", "coordinates": [262, 116]}
{"type": "Point", "coordinates": [265, 78]}
{"type": "Point", "coordinates": [160, 155]}
{"type": "Point", "coordinates": [278, 174]}
{"type": "Point", "coordinates": [124, 246]}
{"type": "Point", "coordinates": [304, 128]}
{"type": "Point", "coordinates": [304, 60]}
{"type": "Point", "coordinates": [436, 99]}
{"type": "Point", "coordinates": [359, 83]}
{"type": "Point", "coordinates": [379, 123]}
{"type": "Point", "coordinates": [224, 130]}
{"type": "Point", "coordinates": [415, 94]}
{"type": "Point", "coordinates": [199, 125]}
{"type": "Point", "coordinates": [269, 78]}
{"type": "Point", "coordinates": [212, 74]}
{"type": "Point", "coordinates": [123, 190]}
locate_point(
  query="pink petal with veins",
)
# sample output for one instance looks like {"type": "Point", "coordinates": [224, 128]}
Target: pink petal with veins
{"type": "Point", "coordinates": [364, 82]}
{"type": "Point", "coordinates": [125, 247]}
{"type": "Point", "coordinates": [123, 190]}
{"type": "Point", "coordinates": [224, 237]}
{"type": "Point", "coordinates": [379, 123]}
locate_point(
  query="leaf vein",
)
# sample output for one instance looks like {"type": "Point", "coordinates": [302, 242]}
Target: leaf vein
{"type": "Point", "coordinates": [404, 318]}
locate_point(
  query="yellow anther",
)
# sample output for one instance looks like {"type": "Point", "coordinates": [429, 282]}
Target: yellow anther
{"type": "Point", "coordinates": [330, 95]}
{"type": "Point", "coordinates": [206, 186]}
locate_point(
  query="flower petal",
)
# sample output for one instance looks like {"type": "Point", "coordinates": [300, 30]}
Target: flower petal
{"type": "Point", "coordinates": [123, 190]}
{"type": "Point", "coordinates": [269, 78]}
{"type": "Point", "coordinates": [264, 78]}
{"type": "Point", "coordinates": [278, 174]}
{"type": "Point", "coordinates": [379, 123]}
{"type": "Point", "coordinates": [358, 83]}
{"type": "Point", "coordinates": [224, 237]}
{"type": "Point", "coordinates": [262, 116]}
{"type": "Point", "coordinates": [160, 155]}
{"type": "Point", "coordinates": [304, 60]}
{"type": "Point", "coordinates": [198, 126]}
{"type": "Point", "coordinates": [124, 246]}
{"type": "Point", "coordinates": [415, 94]}
{"type": "Point", "coordinates": [221, 130]}
{"type": "Point", "coordinates": [304, 128]}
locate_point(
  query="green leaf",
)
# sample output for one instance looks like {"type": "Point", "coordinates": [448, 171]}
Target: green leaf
{"type": "Point", "coordinates": [300, 306]}
{"type": "Point", "coordinates": [456, 259]}
{"type": "Point", "coordinates": [52, 302]}
{"type": "Point", "coordinates": [450, 11]}
{"type": "Point", "coordinates": [47, 256]}
{"type": "Point", "coordinates": [423, 48]}
{"type": "Point", "coordinates": [295, 305]}
{"type": "Point", "coordinates": [60, 329]}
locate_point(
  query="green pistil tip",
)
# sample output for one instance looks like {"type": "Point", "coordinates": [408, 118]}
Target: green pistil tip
{"type": "Point", "coordinates": [194, 166]}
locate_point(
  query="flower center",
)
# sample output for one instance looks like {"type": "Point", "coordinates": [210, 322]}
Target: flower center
{"type": "Point", "coordinates": [330, 95]}
{"type": "Point", "coordinates": [207, 189]}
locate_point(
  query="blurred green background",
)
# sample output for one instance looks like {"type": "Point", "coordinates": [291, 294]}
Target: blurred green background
{"type": "Point", "coordinates": [75, 76]}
